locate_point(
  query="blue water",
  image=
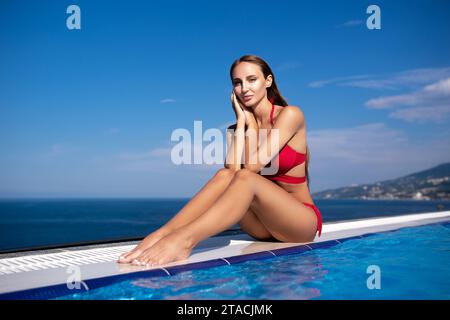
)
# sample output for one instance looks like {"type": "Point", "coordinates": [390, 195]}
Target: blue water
{"type": "Point", "coordinates": [413, 264]}
{"type": "Point", "coordinates": [44, 222]}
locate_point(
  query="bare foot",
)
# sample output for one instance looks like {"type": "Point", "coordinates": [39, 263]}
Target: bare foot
{"type": "Point", "coordinates": [173, 247]}
{"type": "Point", "coordinates": [146, 243]}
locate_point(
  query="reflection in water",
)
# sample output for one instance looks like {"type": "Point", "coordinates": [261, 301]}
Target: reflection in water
{"type": "Point", "coordinates": [285, 277]}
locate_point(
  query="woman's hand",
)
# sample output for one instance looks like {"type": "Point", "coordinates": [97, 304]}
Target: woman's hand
{"type": "Point", "coordinates": [243, 112]}
{"type": "Point", "coordinates": [238, 110]}
{"type": "Point", "coordinates": [250, 119]}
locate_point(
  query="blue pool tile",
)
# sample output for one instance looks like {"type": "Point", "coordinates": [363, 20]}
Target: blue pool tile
{"type": "Point", "coordinates": [59, 290]}
{"type": "Point", "coordinates": [197, 265]}
{"type": "Point", "coordinates": [43, 293]}
{"type": "Point", "coordinates": [100, 282]}
{"type": "Point", "coordinates": [349, 238]}
{"type": "Point", "coordinates": [251, 256]}
{"type": "Point", "coordinates": [291, 250]}
{"type": "Point", "coordinates": [325, 244]}
{"type": "Point", "coordinates": [368, 234]}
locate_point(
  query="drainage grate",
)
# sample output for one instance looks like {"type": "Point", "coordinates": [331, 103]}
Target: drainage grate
{"type": "Point", "coordinates": [61, 259]}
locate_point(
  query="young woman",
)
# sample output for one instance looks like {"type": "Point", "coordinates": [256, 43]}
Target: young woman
{"type": "Point", "coordinates": [275, 207]}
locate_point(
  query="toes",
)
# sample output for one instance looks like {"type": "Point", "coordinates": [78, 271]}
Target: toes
{"type": "Point", "coordinates": [148, 259]}
{"type": "Point", "coordinates": [152, 262]}
{"type": "Point", "coordinates": [141, 259]}
{"type": "Point", "coordinates": [136, 262]}
{"type": "Point", "coordinates": [155, 260]}
{"type": "Point", "coordinates": [123, 258]}
{"type": "Point", "coordinates": [154, 256]}
{"type": "Point", "coordinates": [128, 257]}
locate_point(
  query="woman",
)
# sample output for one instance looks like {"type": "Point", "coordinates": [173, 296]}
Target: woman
{"type": "Point", "coordinates": [268, 207]}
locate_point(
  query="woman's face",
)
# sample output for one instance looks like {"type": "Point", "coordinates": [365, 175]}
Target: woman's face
{"type": "Point", "coordinates": [249, 84]}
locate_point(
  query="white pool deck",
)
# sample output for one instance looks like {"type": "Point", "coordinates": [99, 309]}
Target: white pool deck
{"type": "Point", "coordinates": [29, 270]}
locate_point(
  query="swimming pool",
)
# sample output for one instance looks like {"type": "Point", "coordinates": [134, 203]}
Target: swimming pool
{"type": "Point", "coordinates": [410, 263]}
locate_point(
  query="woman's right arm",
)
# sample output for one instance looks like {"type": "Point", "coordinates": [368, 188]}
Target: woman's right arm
{"type": "Point", "coordinates": [235, 145]}
{"type": "Point", "coordinates": [235, 137]}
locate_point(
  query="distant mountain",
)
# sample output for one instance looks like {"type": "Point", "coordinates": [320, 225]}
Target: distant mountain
{"type": "Point", "coordinates": [431, 184]}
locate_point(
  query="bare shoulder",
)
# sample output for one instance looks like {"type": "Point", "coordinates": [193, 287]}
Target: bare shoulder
{"type": "Point", "coordinates": [294, 113]}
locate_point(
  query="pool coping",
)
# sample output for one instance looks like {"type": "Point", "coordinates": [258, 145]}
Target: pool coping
{"type": "Point", "coordinates": [211, 253]}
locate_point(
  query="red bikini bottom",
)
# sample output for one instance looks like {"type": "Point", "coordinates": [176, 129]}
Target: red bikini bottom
{"type": "Point", "coordinates": [319, 216]}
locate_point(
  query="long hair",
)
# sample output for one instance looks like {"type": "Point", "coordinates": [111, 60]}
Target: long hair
{"type": "Point", "coordinates": [273, 94]}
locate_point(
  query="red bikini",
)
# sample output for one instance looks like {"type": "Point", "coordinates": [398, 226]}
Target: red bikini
{"type": "Point", "coordinates": [287, 159]}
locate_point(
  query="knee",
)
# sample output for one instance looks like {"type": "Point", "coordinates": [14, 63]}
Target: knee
{"type": "Point", "coordinates": [225, 173]}
{"type": "Point", "coordinates": [243, 174]}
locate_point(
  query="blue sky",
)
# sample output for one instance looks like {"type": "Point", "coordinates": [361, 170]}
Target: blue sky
{"type": "Point", "coordinates": [90, 112]}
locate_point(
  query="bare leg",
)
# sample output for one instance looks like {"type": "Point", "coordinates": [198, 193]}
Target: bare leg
{"type": "Point", "coordinates": [285, 217]}
{"type": "Point", "coordinates": [201, 202]}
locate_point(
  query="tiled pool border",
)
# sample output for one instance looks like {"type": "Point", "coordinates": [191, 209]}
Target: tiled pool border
{"type": "Point", "coordinates": [61, 290]}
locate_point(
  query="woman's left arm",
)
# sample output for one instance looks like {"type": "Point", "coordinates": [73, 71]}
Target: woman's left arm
{"type": "Point", "coordinates": [289, 121]}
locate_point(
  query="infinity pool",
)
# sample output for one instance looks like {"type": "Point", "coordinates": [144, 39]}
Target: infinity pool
{"type": "Point", "coordinates": [410, 263]}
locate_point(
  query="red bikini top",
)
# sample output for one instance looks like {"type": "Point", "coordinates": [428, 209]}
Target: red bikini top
{"type": "Point", "coordinates": [287, 159]}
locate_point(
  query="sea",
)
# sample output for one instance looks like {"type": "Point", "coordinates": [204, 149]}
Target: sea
{"type": "Point", "coordinates": [43, 223]}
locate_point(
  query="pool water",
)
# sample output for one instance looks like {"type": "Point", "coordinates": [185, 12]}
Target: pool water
{"type": "Point", "coordinates": [410, 263]}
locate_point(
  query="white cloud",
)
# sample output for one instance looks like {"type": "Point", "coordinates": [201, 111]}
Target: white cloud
{"type": "Point", "coordinates": [367, 143]}
{"type": "Point", "coordinates": [397, 80]}
{"type": "Point", "coordinates": [429, 104]}
{"type": "Point", "coordinates": [159, 160]}
{"type": "Point", "coordinates": [351, 23]}
{"type": "Point", "coordinates": [427, 101]}
{"type": "Point", "coordinates": [436, 114]}
{"type": "Point", "coordinates": [392, 101]}
{"type": "Point", "coordinates": [421, 76]}
{"type": "Point", "coordinates": [442, 87]}
{"type": "Point", "coordinates": [369, 153]}
{"type": "Point", "coordinates": [436, 92]}
{"type": "Point", "coordinates": [322, 83]}
{"type": "Point", "coordinates": [168, 100]}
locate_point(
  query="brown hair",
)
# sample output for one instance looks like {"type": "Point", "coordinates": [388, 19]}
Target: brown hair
{"type": "Point", "coordinates": [272, 91]}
